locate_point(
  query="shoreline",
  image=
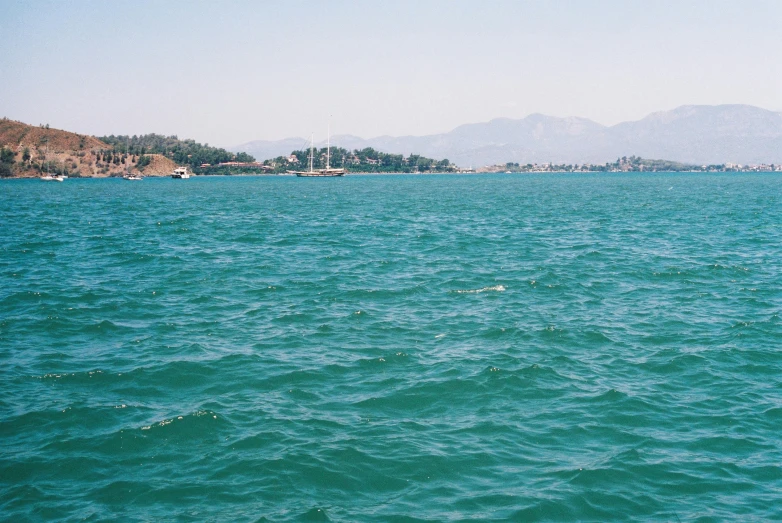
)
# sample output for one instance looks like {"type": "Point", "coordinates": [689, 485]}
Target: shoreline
{"type": "Point", "coordinates": [167, 176]}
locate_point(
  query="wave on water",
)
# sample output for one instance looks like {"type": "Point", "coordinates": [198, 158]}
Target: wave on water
{"type": "Point", "coordinates": [340, 349]}
{"type": "Point", "coordinates": [494, 288]}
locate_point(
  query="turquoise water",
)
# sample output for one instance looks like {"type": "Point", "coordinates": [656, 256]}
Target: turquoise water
{"type": "Point", "coordinates": [374, 348]}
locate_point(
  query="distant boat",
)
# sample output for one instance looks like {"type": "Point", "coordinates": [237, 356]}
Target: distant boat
{"type": "Point", "coordinates": [51, 177]}
{"type": "Point", "coordinates": [181, 173]}
{"type": "Point", "coordinates": [128, 175]}
{"type": "Point", "coordinates": [319, 173]}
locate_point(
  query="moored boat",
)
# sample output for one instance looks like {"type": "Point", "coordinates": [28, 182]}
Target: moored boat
{"type": "Point", "coordinates": [180, 173]}
{"type": "Point", "coordinates": [48, 177]}
{"type": "Point", "coordinates": [128, 174]}
{"type": "Point", "coordinates": [319, 173]}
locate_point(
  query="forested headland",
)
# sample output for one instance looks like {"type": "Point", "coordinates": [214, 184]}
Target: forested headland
{"type": "Point", "coordinates": [366, 160]}
{"type": "Point", "coordinates": [200, 158]}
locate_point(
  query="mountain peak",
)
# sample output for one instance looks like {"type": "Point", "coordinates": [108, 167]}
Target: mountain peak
{"type": "Point", "coordinates": [700, 134]}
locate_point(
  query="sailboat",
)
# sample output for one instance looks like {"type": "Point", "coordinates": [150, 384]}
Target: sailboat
{"type": "Point", "coordinates": [328, 171]}
{"type": "Point", "coordinates": [49, 177]}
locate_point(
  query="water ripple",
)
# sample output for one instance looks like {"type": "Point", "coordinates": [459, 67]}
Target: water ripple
{"type": "Point", "coordinates": [383, 348]}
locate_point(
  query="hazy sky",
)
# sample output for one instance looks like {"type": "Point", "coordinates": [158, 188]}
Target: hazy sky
{"type": "Point", "coordinates": [230, 72]}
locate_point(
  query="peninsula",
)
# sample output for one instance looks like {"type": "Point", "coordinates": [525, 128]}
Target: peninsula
{"type": "Point", "coordinates": [366, 160]}
{"type": "Point", "coordinates": [28, 151]}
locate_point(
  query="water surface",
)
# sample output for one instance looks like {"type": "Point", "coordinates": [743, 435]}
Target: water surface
{"type": "Point", "coordinates": [372, 348]}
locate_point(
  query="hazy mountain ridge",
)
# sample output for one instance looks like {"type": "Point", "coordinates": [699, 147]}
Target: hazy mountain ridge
{"type": "Point", "coordinates": [700, 134]}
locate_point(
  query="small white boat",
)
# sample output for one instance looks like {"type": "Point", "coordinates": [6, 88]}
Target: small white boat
{"type": "Point", "coordinates": [48, 177]}
{"type": "Point", "coordinates": [180, 173]}
{"type": "Point", "coordinates": [128, 174]}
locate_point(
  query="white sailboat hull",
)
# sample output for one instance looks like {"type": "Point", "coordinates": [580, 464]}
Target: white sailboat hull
{"type": "Point", "coordinates": [320, 173]}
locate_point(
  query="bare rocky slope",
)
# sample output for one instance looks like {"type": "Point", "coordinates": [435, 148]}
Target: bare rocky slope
{"type": "Point", "coordinates": [56, 150]}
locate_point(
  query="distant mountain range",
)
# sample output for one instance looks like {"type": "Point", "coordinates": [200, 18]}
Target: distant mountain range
{"type": "Point", "coordinates": [697, 134]}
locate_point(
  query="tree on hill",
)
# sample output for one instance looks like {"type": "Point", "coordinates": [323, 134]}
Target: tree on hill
{"type": "Point", "coordinates": [183, 152]}
{"type": "Point", "coordinates": [7, 157]}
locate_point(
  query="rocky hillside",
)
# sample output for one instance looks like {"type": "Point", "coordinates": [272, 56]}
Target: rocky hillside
{"type": "Point", "coordinates": [29, 151]}
{"type": "Point", "coordinates": [159, 165]}
{"type": "Point", "coordinates": [18, 134]}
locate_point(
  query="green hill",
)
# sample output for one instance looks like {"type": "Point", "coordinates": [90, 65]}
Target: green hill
{"type": "Point", "coordinates": [201, 158]}
{"type": "Point", "coordinates": [366, 160]}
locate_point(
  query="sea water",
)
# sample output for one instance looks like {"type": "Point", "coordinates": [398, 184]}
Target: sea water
{"type": "Point", "coordinates": [378, 348]}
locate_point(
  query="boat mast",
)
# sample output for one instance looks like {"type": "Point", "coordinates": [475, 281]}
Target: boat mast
{"type": "Point", "coordinates": [312, 149]}
{"type": "Point", "coordinates": [328, 145]}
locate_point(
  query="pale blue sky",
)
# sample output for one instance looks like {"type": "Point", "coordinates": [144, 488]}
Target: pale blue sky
{"type": "Point", "coordinates": [229, 72]}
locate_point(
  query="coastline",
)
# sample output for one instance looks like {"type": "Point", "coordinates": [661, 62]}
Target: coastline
{"type": "Point", "coordinates": [268, 175]}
